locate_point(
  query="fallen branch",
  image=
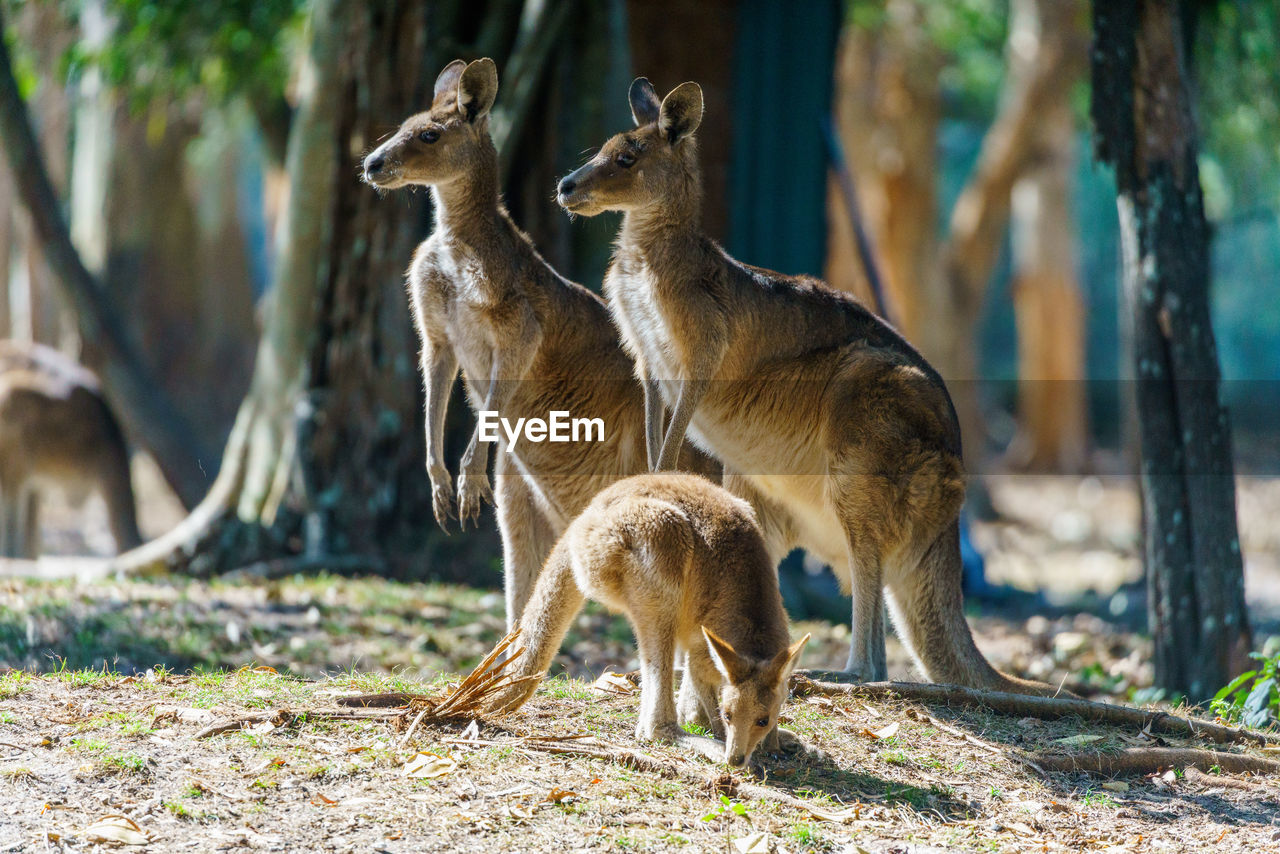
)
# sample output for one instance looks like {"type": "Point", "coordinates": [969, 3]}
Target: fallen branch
{"type": "Point", "coordinates": [1048, 708]}
{"type": "Point", "coordinates": [1152, 760]}
{"type": "Point", "coordinates": [1195, 775]}
{"type": "Point", "coordinates": [977, 742]}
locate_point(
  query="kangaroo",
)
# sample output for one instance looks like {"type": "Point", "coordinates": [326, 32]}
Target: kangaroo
{"type": "Point", "coordinates": [528, 341]}
{"type": "Point", "coordinates": [685, 561]}
{"type": "Point", "coordinates": [836, 429]}
{"type": "Point", "coordinates": [56, 429]}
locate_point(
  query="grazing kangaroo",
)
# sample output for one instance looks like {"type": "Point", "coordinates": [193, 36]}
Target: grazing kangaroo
{"type": "Point", "coordinates": [838, 432]}
{"type": "Point", "coordinates": [685, 561]}
{"type": "Point", "coordinates": [57, 430]}
{"type": "Point", "coordinates": [529, 342]}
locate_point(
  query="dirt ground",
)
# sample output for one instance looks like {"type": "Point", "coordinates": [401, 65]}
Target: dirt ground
{"type": "Point", "coordinates": [104, 731]}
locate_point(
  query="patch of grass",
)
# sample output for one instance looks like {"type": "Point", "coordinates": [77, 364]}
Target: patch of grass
{"type": "Point", "coordinates": [14, 683]}
{"type": "Point", "coordinates": [89, 745]}
{"type": "Point", "coordinates": [695, 729]}
{"type": "Point", "coordinates": [1096, 798]}
{"type": "Point", "coordinates": [8, 718]}
{"type": "Point", "coordinates": [563, 688]}
{"type": "Point", "coordinates": [126, 763]}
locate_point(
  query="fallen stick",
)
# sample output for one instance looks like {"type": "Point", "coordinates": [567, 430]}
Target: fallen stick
{"type": "Point", "coordinates": [1151, 760]}
{"type": "Point", "coordinates": [1048, 708]}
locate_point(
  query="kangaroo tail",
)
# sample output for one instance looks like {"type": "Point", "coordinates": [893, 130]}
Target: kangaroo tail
{"type": "Point", "coordinates": [927, 605]}
{"type": "Point", "coordinates": [555, 601]}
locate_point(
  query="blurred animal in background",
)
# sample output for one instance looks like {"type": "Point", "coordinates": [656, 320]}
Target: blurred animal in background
{"type": "Point", "coordinates": [56, 431]}
{"type": "Point", "coordinates": [685, 561]}
{"type": "Point", "coordinates": [528, 341]}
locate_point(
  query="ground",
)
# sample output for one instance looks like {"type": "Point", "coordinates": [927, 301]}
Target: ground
{"type": "Point", "coordinates": [102, 730]}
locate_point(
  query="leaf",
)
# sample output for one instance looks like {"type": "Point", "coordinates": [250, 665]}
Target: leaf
{"type": "Point", "coordinates": [116, 828]}
{"type": "Point", "coordinates": [1230, 687]}
{"type": "Point", "coordinates": [839, 816]}
{"type": "Point", "coordinates": [321, 800]}
{"type": "Point", "coordinates": [755, 843]}
{"type": "Point", "coordinates": [556, 795]}
{"type": "Point", "coordinates": [1078, 740]}
{"type": "Point", "coordinates": [613, 683]}
{"type": "Point", "coordinates": [884, 732]}
{"type": "Point", "coordinates": [1116, 786]}
{"type": "Point", "coordinates": [1257, 705]}
{"type": "Point", "coordinates": [428, 766]}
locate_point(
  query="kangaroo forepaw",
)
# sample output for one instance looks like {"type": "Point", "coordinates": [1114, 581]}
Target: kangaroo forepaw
{"type": "Point", "coordinates": [442, 499]}
{"type": "Point", "coordinates": [473, 492]}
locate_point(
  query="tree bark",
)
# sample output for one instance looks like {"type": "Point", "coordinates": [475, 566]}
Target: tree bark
{"type": "Point", "coordinates": [1145, 128]}
{"type": "Point", "coordinates": [1048, 307]}
{"type": "Point", "coordinates": [132, 391]}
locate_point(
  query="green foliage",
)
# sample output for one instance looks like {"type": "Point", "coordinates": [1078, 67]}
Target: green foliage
{"type": "Point", "coordinates": [163, 50]}
{"type": "Point", "coordinates": [726, 807]}
{"type": "Point", "coordinates": [1252, 698]}
{"type": "Point", "coordinates": [1237, 72]}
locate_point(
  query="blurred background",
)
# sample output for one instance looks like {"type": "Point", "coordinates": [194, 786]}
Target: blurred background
{"type": "Point", "coordinates": [241, 294]}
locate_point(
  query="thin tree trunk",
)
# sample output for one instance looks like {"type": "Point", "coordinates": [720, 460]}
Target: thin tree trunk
{"type": "Point", "coordinates": [1146, 130]}
{"type": "Point", "coordinates": [153, 418]}
{"type": "Point", "coordinates": [888, 106]}
{"type": "Point", "coordinates": [1048, 306]}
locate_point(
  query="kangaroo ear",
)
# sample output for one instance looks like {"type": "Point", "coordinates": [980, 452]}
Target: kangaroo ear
{"type": "Point", "coordinates": [733, 667]}
{"type": "Point", "coordinates": [645, 102]}
{"type": "Point", "coordinates": [477, 88]}
{"type": "Point", "coordinates": [448, 79]}
{"type": "Point", "coordinates": [779, 669]}
{"type": "Point", "coordinates": [681, 112]}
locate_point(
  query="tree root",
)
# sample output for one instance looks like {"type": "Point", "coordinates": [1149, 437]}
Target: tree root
{"type": "Point", "coordinates": [1152, 760]}
{"type": "Point", "coordinates": [1048, 708]}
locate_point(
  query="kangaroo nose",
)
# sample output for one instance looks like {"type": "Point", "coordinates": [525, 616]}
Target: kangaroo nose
{"type": "Point", "coordinates": [374, 165]}
{"type": "Point", "coordinates": [737, 760]}
{"type": "Point", "coordinates": [567, 185]}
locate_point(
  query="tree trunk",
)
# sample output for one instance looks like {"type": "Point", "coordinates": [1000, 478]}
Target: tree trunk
{"type": "Point", "coordinates": [108, 348]}
{"type": "Point", "coordinates": [1146, 130]}
{"type": "Point", "coordinates": [326, 463]}
{"type": "Point", "coordinates": [1048, 307]}
{"type": "Point", "coordinates": [888, 105]}
{"type": "Point", "coordinates": [981, 213]}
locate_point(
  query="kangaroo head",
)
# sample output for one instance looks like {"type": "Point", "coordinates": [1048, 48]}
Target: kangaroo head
{"type": "Point", "coordinates": [751, 695]}
{"type": "Point", "coordinates": [645, 166]}
{"type": "Point", "coordinates": [439, 145]}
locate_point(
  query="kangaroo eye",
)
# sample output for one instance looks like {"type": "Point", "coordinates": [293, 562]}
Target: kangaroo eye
{"type": "Point", "coordinates": [626, 160]}
{"type": "Point", "coordinates": [762, 722]}
{"type": "Point", "coordinates": [429, 136]}
{"type": "Point", "coordinates": [728, 718]}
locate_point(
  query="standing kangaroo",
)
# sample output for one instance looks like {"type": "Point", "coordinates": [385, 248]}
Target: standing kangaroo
{"type": "Point", "coordinates": [529, 342]}
{"type": "Point", "coordinates": [57, 430]}
{"type": "Point", "coordinates": [836, 430]}
{"type": "Point", "coordinates": [686, 562]}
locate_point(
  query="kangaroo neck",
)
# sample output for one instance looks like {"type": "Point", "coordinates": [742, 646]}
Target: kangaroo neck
{"type": "Point", "coordinates": [662, 235]}
{"type": "Point", "coordinates": [468, 207]}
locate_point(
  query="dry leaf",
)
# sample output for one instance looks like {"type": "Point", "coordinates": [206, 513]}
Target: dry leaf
{"type": "Point", "coordinates": [613, 683]}
{"type": "Point", "coordinates": [116, 828]}
{"type": "Point", "coordinates": [756, 843]}
{"type": "Point", "coordinates": [884, 732]}
{"type": "Point", "coordinates": [1116, 786]}
{"type": "Point", "coordinates": [839, 816]}
{"type": "Point", "coordinates": [1020, 828]}
{"type": "Point", "coordinates": [517, 812]}
{"type": "Point", "coordinates": [428, 766]}
{"type": "Point", "coordinates": [556, 795]}
{"type": "Point", "coordinates": [1078, 740]}
{"type": "Point", "coordinates": [320, 800]}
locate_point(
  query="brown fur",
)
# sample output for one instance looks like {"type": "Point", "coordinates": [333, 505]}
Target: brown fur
{"type": "Point", "coordinates": [56, 430]}
{"type": "Point", "coordinates": [528, 341]}
{"type": "Point", "coordinates": [840, 434]}
{"type": "Point", "coordinates": [685, 561]}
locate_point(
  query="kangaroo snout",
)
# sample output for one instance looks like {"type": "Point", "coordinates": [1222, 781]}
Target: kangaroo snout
{"type": "Point", "coordinates": [567, 183]}
{"type": "Point", "coordinates": [737, 760]}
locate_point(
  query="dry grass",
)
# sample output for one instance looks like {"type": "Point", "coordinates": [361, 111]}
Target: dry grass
{"type": "Point", "coordinates": [78, 746]}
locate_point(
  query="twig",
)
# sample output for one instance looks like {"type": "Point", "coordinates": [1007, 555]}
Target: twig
{"type": "Point", "coordinates": [381, 701]}
{"type": "Point", "coordinates": [1048, 708]}
{"type": "Point", "coordinates": [413, 726]}
{"type": "Point", "coordinates": [1150, 760]}
{"type": "Point", "coordinates": [1194, 775]}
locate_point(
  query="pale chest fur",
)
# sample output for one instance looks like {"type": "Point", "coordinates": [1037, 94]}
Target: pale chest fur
{"type": "Point", "coordinates": [455, 292]}
{"type": "Point", "coordinates": [632, 292]}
